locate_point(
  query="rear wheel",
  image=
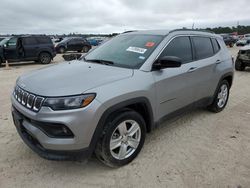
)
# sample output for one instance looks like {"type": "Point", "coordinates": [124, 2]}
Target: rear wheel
{"type": "Point", "coordinates": [45, 58]}
{"type": "Point", "coordinates": [62, 50]}
{"type": "Point", "coordinates": [85, 49]}
{"type": "Point", "coordinates": [122, 140]}
{"type": "Point", "coordinates": [220, 98]}
{"type": "Point", "coordinates": [239, 65]}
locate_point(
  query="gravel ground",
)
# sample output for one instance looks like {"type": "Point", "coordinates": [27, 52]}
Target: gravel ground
{"type": "Point", "coordinates": [200, 149]}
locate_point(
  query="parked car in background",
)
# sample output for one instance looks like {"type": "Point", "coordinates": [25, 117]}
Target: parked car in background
{"type": "Point", "coordinates": [243, 42]}
{"type": "Point", "coordinates": [108, 100]}
{"type": "Point", "coordinates": [27, 48]}
{"type": "Point", "coordinates": [93, 42]}
{"type": "Point", "coordinates": [1, 38]}
{"type": "Point", "coordinates": [247, 36]}
{"type": "Point", "coordinates": [243, 58]}
{"type": "Point", "coordinates": [229, 40]}
{"type": "Point", "coordinates": [73, 44]}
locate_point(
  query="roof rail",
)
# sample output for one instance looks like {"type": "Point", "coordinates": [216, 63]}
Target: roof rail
{"type": "Point", "coordinates": [201, 30]}
{"type": "Point", "coordinates": [129, 31]}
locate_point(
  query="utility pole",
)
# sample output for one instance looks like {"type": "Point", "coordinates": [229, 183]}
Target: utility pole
{"type": "Point", "coordinates": [238, 23]}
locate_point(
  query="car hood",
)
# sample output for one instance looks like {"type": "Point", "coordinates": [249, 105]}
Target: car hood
{"type": "Point", "coordinates": [71, 78]}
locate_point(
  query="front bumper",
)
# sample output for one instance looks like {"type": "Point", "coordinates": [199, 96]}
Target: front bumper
{"type": "Point", "coordinates": [82, 122]}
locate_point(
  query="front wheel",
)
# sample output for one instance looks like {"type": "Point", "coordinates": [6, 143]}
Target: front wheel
{"type": "Point", "coordinates": [239, 65]}
{"type": "Point", "coordinates": [123, 138]}
{"type": "Point", "coordinates": [45, 58]}
{"type": "Point", "coordinates": [220, 98]}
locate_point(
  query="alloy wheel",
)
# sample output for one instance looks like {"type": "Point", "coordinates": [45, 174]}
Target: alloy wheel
{"type": "Point", "coordinates": [125, 139]}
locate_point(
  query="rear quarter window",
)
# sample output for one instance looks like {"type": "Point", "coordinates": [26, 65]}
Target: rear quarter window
{"type": "Point", "coordinates": [203, 47]}
{"type": "Point", "coordinates": [44, 40]}
{"type": "Point", "coordinates": [215, 45]}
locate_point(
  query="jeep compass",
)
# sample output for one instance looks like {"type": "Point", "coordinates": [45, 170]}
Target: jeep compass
{"type": "Point", "coordinates": [106, 102]}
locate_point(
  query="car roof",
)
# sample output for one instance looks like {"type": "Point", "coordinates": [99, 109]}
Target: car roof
{"type": "Point", "coordinates": [177, 31]}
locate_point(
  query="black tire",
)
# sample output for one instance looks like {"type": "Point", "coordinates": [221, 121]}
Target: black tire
{"type": "Point", "coordinates": [62, 50]}
{"type": "Point", "coordinates": [239, 65]}
{"type": "Point", "coordinates": [215, 107]}
{"type": "Point", "coordinates": [45, 58]}
{"type": "Point", "coordinates": [103, 151]}
{"type": "Point", "coordinates": [85, 49]}
{"type": "Point", "coordinates": [79, 51]}
{"type": "Point", "coordinates": [1, 61]}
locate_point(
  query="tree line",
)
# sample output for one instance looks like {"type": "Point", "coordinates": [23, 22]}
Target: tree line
{"type": "Point", "coordinates": [241, 29]}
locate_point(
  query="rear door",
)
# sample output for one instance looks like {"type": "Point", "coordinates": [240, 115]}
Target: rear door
{"type": "Point", "coordinates": [10, 50]}
{"type": "Point", "coordinates": [174, 86]}
{"type": "Point", "coordinates": [204, 66]}
{"type": "Point", "coordinates": [72, 45]}
{"type": "Point", "coordinates": [31, 47]}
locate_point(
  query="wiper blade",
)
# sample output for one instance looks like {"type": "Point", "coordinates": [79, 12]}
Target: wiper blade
{"type": "Point", "coordinates": [101, 61]}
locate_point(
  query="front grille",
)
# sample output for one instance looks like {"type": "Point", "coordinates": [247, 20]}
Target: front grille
{"type": "Point", "coordinates": [27, 99]}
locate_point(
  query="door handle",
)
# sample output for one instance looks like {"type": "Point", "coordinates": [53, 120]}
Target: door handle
{"type": "Point", "coordinates": [218, 62]}
{"type": "Point", "coordinates": [192, 69]}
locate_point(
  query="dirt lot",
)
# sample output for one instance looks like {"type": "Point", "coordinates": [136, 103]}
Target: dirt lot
{"type": "Point", "coordinates": [200, 149]}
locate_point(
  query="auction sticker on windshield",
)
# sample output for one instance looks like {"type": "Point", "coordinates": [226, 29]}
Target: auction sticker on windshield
{"type": "Point", "coordinates": [136, 50]}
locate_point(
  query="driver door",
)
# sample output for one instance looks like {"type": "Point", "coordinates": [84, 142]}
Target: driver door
{"type": "Point", "coordinates": [72, 45]}
{"type": "Point", "coordinates": [174, 88]}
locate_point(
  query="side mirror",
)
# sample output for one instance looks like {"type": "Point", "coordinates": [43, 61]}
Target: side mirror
{"type": "Point", "coordinates": [167, 62]}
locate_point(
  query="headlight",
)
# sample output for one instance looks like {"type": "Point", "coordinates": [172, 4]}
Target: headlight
{"type": "Point", "coordinates": [67, 103]}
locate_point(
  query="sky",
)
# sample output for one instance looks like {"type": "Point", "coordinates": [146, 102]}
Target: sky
{"type": "Point", "coordinates": [111, 16]}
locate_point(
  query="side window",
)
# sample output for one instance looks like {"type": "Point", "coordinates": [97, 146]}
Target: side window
{"type": "Point", "coordinates": [203, 47]}
{"type": "Point", "coordinates": [179, 47]}
{"type": "Point", "coordinates": [215, 45]}
{"type": "Point", "coordinates": [29, 41]}
{"type": "Point", "coordinates": [72, 41]}
{"type": "Point", "coordinates": [43, 40]}
{"type": "Point", "coordinates": [12, 42]}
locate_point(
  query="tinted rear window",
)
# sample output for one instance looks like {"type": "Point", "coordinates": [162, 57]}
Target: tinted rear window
{"type": "Point", "coordinates": [203, 47]}
{"type": "Point", "coordinates": [179, 47]}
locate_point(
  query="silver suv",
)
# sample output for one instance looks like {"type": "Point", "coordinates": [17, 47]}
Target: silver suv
{"type": "Point", "coordinates": [108, 100]}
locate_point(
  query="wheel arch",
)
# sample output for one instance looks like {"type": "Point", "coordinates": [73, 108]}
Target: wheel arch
{"type": "Point", "coordinates": [140, 105]}
{"type": "Point", "coordinates": [45, 51]}
{"type": "Point", "coordinates": [228, 77]}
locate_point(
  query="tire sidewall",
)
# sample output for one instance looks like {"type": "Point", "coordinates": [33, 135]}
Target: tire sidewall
{"type": "Point", "coordinates": [47, 54]}
{"type": "Point", "coordinates": [239, 66]}
{"type": "Point", "coordinates": [85, 49]}
{"type": "Point", "coordinates": [215, 103]}
{"type": "Point", "coordinates": [62, 50]}
{"type": "Point", "coordinates": [129, 115]}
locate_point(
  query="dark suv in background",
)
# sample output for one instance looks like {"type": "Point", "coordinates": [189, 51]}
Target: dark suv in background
{"type": "Point", "coordinates": [73, 44]}
{"type": "Point", "coordinates": [37, 48]}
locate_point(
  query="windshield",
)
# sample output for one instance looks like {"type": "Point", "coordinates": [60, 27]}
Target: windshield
{"type": "Point", "coordinates": [129, 51]}
{"type": "Point", "coordinates": [4, 41]}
